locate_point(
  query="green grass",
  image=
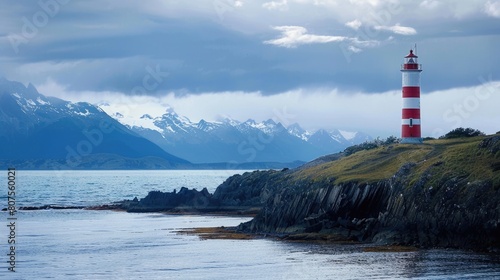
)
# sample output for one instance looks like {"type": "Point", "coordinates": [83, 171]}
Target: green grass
{"type": "Point", "coordinates": [448, 157]}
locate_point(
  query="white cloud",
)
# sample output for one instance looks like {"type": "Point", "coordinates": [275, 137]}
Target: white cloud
{"type": "Point", "coordinates": [492, 8]}
{"type": "Point", "coordinates": [397, 29]}
{"type": "Point", "coordinates": [364, 43]}
{"type": "Point", "coordinates": [430, 4]}
{"type": "Point", "coordinates": [274, 5]}
{"type": "Point", "coordinates": [354, 49]}
{"type": "Point", "coordinates": [372, 3]}
{"type": "Point", "coordinates": [292, 36]}
{"type": "Point", "coordinates": [355, 24]}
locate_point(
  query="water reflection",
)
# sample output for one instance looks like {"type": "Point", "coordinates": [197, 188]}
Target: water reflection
{"type": "Point", "coordinates": [308, 261]}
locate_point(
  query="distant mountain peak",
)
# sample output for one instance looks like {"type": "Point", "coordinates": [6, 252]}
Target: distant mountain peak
{"type": "Point", "coordinates": [270, 122]}
{"type": "Point", "coordinates": [348, 135]}
{"type": "Point", "coordinates": [295, 126]}
{"type": "Point", "coordinates": [230, 121]}
{"type": "Point", "coordinates": [250, 121]}
{"type": "Point", "coordinates": [207, 126]}
{"type": "Point", "coordinates": [31, 88]}
{"type": "Point", "coordinates": [170, 111]}
{"type": "Point", "coordinates": [48, 129]}
{"type": "Point", "coordinates": [321, 131]}
{"type": "Point", "coordinates": [296, 130]}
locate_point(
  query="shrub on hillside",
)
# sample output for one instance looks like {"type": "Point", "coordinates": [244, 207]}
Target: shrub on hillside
{"type": "Point", "coordinates": [368, 145]}
{"type": "Point", "coordinates": [462, 132]}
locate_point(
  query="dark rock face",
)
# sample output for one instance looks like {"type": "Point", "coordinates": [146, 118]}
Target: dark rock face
{"type": "Point", "coordinates": [348, 209]}
{"type": "Point", "coordinates": [242, 194]}
{"type": "Point", "coordinates": [160, 201]}
{"type": "Point", "coordinates": [388, 211]}
{"type": "Point", "coordinates": [249, 189]}
{"type": "Point", "coordinates": [455, 213]}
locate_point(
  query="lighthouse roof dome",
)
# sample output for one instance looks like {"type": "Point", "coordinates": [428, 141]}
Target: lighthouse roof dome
{"type": "Point", "coordinates": [411, 54]}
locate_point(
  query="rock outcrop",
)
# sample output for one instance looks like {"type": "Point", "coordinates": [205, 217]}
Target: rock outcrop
{"type": "Point", "coordinates": [239, 194]}
{"type": "Point", "coordinates": [441, 200]}
{"type": "Point", "coordinates": [157, 201]}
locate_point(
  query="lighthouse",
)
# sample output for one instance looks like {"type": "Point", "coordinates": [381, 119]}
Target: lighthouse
{"type": "Point", "coordinates": [410, 126]}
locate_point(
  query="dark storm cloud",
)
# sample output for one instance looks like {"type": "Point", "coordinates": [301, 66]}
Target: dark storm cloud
{"type": "Point", "coordinates": [112, 46]}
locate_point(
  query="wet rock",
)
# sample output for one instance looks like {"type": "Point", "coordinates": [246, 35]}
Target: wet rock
{"type": "Point", "coordinates": [157, 201]}
{"type": "Point", "coordinates": [239, 194]}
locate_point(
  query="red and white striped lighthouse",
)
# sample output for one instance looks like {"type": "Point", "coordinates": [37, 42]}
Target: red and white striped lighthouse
{"type": "Point", "coordinates": [410, 126]}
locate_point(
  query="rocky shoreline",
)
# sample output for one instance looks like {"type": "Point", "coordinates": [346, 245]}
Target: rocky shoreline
{"type": "Point", "coordinates": [434, 199]}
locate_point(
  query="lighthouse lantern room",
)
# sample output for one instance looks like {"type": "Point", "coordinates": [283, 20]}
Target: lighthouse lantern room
{"type": "Point", "coordinates": [410, 127]}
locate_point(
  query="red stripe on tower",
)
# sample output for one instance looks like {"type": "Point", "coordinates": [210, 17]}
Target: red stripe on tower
{"type": "Point", "coordinates": [410, 125]}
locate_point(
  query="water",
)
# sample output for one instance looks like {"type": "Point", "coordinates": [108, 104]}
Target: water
{"type": "Point", "coordinates": [87, 188]}
{"type": "Point", "coordinates": [80, 244]}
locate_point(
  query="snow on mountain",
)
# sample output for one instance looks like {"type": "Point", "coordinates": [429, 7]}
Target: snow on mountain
{"type": "Point", "coordinates": [297, 131]}
{"type": "Point", "coordinates": [348, 135]}
{"type": "Point", "coordinates": [29, 105]}
{"type": "Point", "coordinates": [171, 122]}
{"type": "Point", "coordinates": [230, 122]}
{"type": "Point", "coordinates": [144, 123]}
{"type": "Point", "coordinates": [360, 137]}
{"type": "Point", "coordinates": [208, 126]}
{"type": "Point", "coordinates": [38, 107]}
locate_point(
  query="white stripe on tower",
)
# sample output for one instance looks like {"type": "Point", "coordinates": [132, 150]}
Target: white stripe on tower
{"type": "Point", "coordinates": [411, 103]}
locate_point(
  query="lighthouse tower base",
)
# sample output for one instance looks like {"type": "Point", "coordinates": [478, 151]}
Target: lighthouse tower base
{"type": "Point", "coordinates": [412, 140]}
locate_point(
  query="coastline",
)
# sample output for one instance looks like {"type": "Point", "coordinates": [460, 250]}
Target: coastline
{"type": "Point", "coordinates": [232, 233]}
{"type": "Point", "coordinates": [441, 194]}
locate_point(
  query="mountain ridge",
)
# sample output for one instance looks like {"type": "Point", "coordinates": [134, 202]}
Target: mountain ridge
{"type": "Point", "coordinates": [37, 127]}
{"type": "Point", "coordinates": [231, 140]}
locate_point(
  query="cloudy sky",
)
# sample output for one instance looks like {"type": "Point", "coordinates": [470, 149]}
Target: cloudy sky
{"type": "Point", "coordinates": [321, 63]}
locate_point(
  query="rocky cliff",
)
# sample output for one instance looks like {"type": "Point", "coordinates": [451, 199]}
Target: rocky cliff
{"type": "Point", "coordinates": [443, 193]}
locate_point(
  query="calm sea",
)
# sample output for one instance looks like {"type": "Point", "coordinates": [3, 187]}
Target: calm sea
{"type": "Point", "coordinates": [80, 244]}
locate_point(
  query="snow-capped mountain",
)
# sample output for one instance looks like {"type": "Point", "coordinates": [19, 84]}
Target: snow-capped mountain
{"type": "Point", "coordinates": [37, 128]}
{"type": "Point", "coordinates": [230, 140]}
{"type": "Point", "coordinates": [299, 132]}
{"type": "Point", "coordinates": [44, 131]}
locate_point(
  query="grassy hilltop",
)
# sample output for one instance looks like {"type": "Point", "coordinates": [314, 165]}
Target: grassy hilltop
{"type": "Point", "coordinates": [462, 157]}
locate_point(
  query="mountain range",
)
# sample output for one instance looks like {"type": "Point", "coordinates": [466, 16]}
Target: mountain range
{"type": "Point", "coordinates": [229, 140]}
{"type": "Point", "coordinates": [48, 132]}
{"type": "Point", "coordinates": [42, 132]}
